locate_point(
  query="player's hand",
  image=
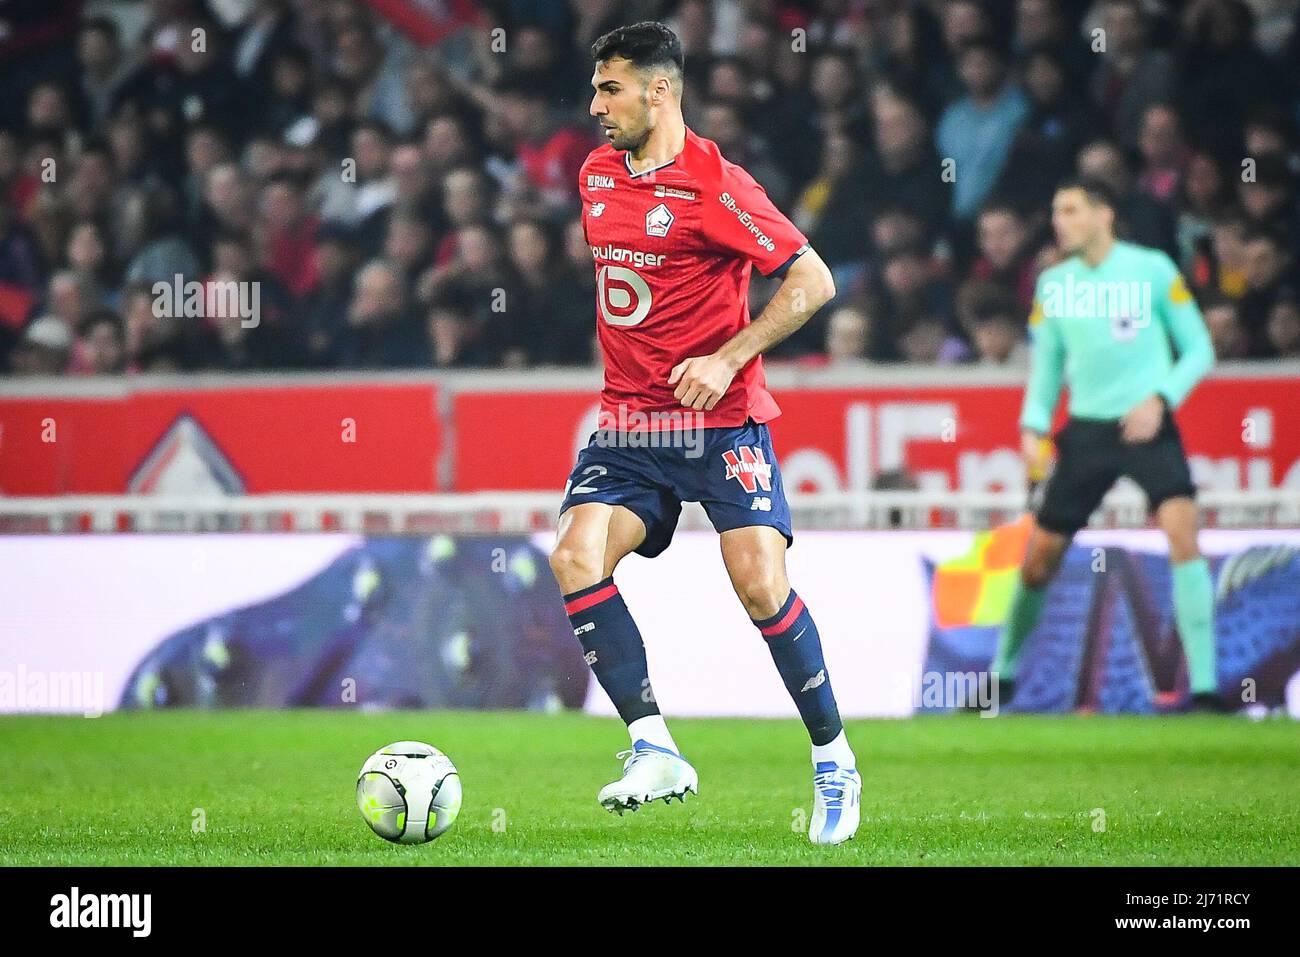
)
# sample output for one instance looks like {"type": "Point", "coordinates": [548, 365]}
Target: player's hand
{"type": "Point", "coordinates": [1142, 422]}
{"type": "Point", "coordinates": [701, 381]}
{"type": "Point", "coordinates": [1036, 450]}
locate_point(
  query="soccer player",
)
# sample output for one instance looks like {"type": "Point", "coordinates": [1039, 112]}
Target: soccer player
{"type": "Point", "coordinates": [1102, 322]}
{"type": "Point", "coordinates": [675, 230]}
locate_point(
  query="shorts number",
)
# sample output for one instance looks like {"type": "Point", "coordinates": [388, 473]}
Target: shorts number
{"type": "Point", "coordinates": [582, 488]}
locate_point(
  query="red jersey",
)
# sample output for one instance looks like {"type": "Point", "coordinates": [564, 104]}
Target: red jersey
{"type": "Point", "coordinates": [673, 248]}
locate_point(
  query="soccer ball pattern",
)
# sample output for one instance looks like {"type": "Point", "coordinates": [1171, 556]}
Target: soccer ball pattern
{"type": "Point", "coordinates": [409, 792]}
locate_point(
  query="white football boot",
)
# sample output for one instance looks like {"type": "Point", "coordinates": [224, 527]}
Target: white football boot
{"type": "Point", "coordinates": [649, 773]}
{"type": "Point", "coordinates": [837, 794]}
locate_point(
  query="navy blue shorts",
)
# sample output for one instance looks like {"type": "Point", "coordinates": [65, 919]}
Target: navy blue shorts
{"type": "Point", "coordinates": [732, 472]}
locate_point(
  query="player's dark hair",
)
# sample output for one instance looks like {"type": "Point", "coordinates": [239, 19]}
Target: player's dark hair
{"type": "Point", "coordinates": [1098, 192]}
{"type": "Point", "coordinates": [645, 45]}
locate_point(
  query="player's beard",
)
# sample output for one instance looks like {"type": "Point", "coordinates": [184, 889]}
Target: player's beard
{"type": "Point", "coordinates": [1077, 247]}
{"type": "Point", "coordinates": [632, 139]}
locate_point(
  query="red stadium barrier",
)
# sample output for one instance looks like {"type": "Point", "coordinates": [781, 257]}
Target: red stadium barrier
{"type": "Point", "coordinates": [951, 430]}
{"type": "Point", "coordinates": [1240, 433]}
{"type": "Point", "coordinates": [232, 438]}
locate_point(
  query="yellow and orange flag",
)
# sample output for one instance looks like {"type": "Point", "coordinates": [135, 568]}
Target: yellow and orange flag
{"type": "Point", "coordinates": [975, 588]}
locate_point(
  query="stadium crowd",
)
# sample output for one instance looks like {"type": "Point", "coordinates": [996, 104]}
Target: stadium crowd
{"type": "Point", "coordinates": [400, 179]}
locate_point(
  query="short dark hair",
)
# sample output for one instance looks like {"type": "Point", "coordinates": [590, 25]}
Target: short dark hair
{"type": "Point", "coordinates": [1098, 192]}
{"type": "Point", "coordinates": [645, 44]}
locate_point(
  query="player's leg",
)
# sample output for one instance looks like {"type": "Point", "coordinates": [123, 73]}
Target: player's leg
{"type": "Point", "coordinates": [1193, 593]}
{"type": "Point", "coordinates": [1043, 555]}
{"type": "Point", "coordinates": [755, 560]}
{"type": "Point", "coordinates": [1160, 468]}
{"type": "Point", "coordinates": [739, 484]}
{"type": "Point", "coordinates": [1087, 466]}
{"type": "Point", "coordinates": [593, 537]}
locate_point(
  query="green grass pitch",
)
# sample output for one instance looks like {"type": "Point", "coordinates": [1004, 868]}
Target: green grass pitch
{"type": "Point", "coordinates": [277, 788]}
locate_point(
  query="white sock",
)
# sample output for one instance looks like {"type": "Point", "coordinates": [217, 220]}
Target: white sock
{"type": "Point", "coordinates": [651, 728]}
{"type": "Point", "coordinates": [837, 750]}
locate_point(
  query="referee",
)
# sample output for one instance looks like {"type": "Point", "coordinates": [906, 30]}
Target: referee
{"type": "Point", "coordinates": [1102, 323]}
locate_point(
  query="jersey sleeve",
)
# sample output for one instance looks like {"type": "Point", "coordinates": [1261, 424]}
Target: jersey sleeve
{"type": "Point", "coordinates": [739, 219]}
{"type": "Point", "coordinates": [1046, 369]}
{"type": "Point", "coordinates": [1182, 319]}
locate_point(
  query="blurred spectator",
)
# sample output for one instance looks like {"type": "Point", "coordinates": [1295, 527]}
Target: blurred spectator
{"type": "Point", "coordinates": [907, 170]}
{"type": "Point", "coordinates": [1228, 249]}
{"type": "Point", "coordinates": [539, 304]}
{"type": "Point", "coordinates": [292, 235]}
{"type": "Point", "coordinates": [45, 348]}
{"type": "Point", "coordinates": [105, 68]}
{"type": "Point", "coordinates": [1004, 254]}
{"type": "Point", "coordinates": [1202, 199]}
{"type": "Point", "coordinates": [322, 315]}
{"type": "Point", "coordinates": [1131, 76]}
{"type": "Point", "coordinates": [382, 331]}
{"type": "Point", "coordinates": [1284, 326]}
{"type": "Point", "coordinates": [1224, 75]}
{"type": "Point", "coordinates": [721, 122]}
{"type": "Point", "coordinates": [1226, 331]}
{"type": "Point", "coordinates": [917, 144]}
{"type": "Point", "coordinates": [1266, 193]}
{"type": "Point", "coordinates": [926, 339]}
{"type": "Point", "coordinates": [1163, 152]}
{"type": "Point", "coordinates": [833, 206]}
{"type": "Point", "coordinates": [547, 154]}
{"type": "Point", "coordinates": [1140, 218]}
{"type": "Point", "coordinates": [1058, 125]}
{"type": "Point", "coordinates": [976, 132]}
{"type": "Point", "coordinates": [998, 332]}
{"type": "Point", "coordinates": [101, 347]}
{"type": "Point", "coordinates": [1269, 277]}
{"type": "Point", "coordinates": [848, 335]}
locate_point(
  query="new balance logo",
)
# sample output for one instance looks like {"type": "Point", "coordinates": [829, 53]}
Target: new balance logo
{"type": "Point", "coordinates": [583, 629]}
{"type": "Point", "coordinates": [760, 504]}
{"type": "Point", "coordinates": [816, 681]}
{"type": "Point", "coordinates": [597, 209]}
{"type": "Point", "coordinates": [589, 657]}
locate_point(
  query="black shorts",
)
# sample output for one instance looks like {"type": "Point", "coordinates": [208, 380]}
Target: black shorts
{"type": "Point", "coordinates": [1091, 456]}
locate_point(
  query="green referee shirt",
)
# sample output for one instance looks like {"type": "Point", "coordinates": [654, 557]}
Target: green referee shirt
{"type": "Point", "coordinates": [1106, 333]}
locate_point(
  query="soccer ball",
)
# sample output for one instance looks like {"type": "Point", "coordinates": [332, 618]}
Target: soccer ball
{"type": "Point", "coordinates": [409, 792]}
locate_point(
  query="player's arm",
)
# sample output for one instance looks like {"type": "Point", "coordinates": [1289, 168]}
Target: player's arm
{"type": "Point", "coordinates": [1178, 311]}
{"type": "Point", "coordinates": [701, 381]}
{"type": "Point", "coordinates": [739, 220]}
{"type": "Point", "coordinates": [1195, 348]}
{"type": "Point", "coordinates": [1046, 372]}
